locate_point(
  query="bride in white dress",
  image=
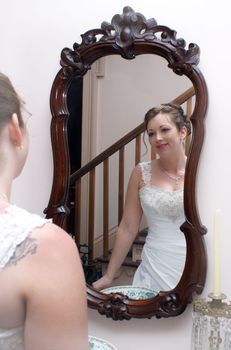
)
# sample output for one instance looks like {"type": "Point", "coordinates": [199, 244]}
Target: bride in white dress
{"type": "Point", "coordinates": [156, 189]}
{"type": "Point", "coordinates": [42, 287]}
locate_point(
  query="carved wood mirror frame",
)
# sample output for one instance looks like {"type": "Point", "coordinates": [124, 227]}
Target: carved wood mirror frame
{"type": "Point", "coordinates": [129, 35]}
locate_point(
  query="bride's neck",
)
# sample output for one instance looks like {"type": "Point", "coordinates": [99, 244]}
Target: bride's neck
{"type": "Point", "coordinates": [173, 165]}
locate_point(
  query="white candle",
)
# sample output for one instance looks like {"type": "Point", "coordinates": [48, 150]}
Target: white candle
{"type": "Point", "coordinates": [216, 254]}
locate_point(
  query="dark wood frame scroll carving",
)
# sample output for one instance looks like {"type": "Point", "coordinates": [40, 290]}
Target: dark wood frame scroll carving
{"type": "Point", "coordinates": [129, 35]}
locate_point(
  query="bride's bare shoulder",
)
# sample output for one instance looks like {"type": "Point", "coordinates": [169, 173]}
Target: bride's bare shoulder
{"type": "Point", "coordinates": [51, 236]}
{"type": "Point", "coordinates": [43, 245]}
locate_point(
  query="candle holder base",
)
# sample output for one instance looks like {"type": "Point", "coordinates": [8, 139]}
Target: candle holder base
{"type": "Point", "coordinates": [217, 300]}
{"type": "Point", "coordinates": [215, 308]}
{"type": "Point", "coordinates": [221, 296]}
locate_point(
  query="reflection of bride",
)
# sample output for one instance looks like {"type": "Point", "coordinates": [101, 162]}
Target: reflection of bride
{"type": "Point", "coordinates": [156, 189]}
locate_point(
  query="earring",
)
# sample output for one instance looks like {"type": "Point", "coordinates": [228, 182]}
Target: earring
{"type": "Point", "coordinates": [19, 147]}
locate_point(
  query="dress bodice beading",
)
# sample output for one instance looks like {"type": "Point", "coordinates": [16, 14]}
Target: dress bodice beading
{"type": "Point", "coordinates": [15, 226]}
{"type": "Point", "coordinates": [163, 255]}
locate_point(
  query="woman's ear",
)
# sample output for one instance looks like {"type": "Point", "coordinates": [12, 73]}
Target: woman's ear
{"type": "Point", "coordinates": [184, 132]}
{"type": "Point", "coordinates": [15, 131]}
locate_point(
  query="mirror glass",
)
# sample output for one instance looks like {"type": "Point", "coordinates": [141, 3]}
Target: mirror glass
{"type": "Point", "coordinates": [98, 100]}
{"type": "Point", "coordinates": [105, 105]}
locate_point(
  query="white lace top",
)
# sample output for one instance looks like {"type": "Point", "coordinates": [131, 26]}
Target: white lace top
{"type": "Point", "coordinates": [15, 225]}
{"type": "Point", "coordinates": [163, 255]}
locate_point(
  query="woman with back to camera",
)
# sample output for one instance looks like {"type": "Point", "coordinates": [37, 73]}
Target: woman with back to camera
{"type": "Point", "coordinates": [42, 288]}
{"type": "Point", "coordinates": [155, 188]}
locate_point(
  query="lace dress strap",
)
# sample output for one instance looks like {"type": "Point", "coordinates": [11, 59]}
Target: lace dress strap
{"type": "Point", "coordinates": [15, 225]}
{"type": "Point", "coordinates": [146, 172]}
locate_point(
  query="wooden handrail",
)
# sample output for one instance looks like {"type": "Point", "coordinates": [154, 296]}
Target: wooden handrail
{"type": "Point", "coordinates": [123, 141]}
{"type": "Point", "coordinates": [179, 100]}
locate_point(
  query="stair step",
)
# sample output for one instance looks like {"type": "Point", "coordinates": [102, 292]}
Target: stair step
{"type": "Point", "coordinates": [139, 240]}
{"type": "Point", "coordinates": [132, 259]}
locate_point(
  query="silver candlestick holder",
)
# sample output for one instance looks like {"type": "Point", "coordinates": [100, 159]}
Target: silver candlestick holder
{"type": "Point", "coordinates": [211, 323]}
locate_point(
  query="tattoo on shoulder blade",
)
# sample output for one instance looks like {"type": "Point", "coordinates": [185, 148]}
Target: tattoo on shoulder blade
{"type": "Point", "coordinates": [28, 246]}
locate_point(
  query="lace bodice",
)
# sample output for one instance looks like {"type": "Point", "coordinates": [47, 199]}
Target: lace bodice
{"type": "Point", "coordinates": [15, 225]}
{"type": "Point", "coordinates": [162, 203]}
{"type": "Point", "coordinates": [163, 255]}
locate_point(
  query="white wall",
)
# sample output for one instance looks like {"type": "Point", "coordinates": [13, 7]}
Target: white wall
{"type": "Point", "coordinates": [129, 89]}
{"type": "Point", "coordinates": [32, 34]}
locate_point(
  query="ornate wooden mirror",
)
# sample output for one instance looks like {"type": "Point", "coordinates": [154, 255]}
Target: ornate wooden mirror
{"type": "Point", "coordinates": [127, 37]}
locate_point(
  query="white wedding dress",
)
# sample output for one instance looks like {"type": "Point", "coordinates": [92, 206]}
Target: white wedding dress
{"type": "Point", "coordinates": [15, 225]}
{"type": "Point", "coordinates": [164, 252]}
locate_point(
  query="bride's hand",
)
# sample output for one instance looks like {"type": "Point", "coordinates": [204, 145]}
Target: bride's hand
{"type": "Point", "coordinates": [102, 283]}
